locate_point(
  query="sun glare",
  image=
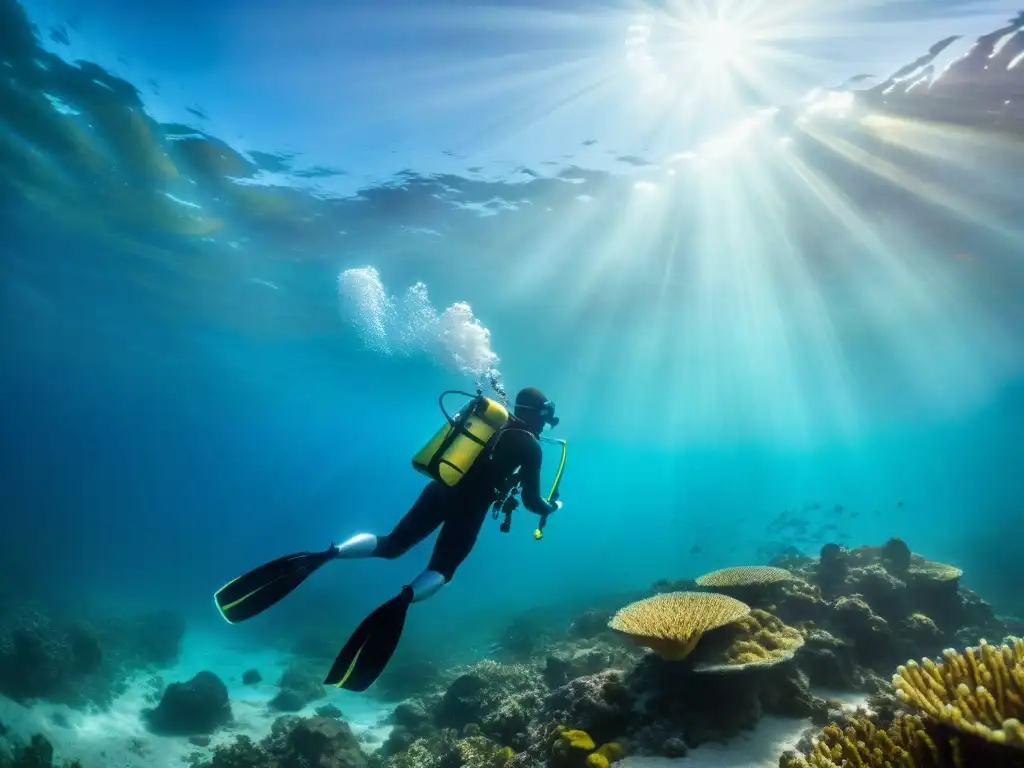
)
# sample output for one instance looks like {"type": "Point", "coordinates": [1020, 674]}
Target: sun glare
{"type": "Point", "coordinates": [720, 41]}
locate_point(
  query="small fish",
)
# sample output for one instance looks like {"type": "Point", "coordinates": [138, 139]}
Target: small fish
{"type": "Point", "coordinates": [899, 505]}
{"type": "Point", "coordinates": [837, 508]}
{"type": "Point", "coordinates": [695, 549]}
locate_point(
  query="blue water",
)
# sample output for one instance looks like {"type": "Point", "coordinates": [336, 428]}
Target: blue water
{"type": "Point", "coordinates": [181, 405]}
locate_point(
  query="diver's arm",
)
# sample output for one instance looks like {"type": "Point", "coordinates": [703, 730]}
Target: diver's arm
{"type": "Point", "coordinates": [529, 473]}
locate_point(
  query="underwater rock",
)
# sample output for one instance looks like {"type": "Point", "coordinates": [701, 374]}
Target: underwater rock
{"type": "Point", "coordinates": [828, 661]}
{"type": "Point", "coordinates": [557, 671]}
{"type": "Point", "coordinates": [920, 631]}
{"type": "Point", "coordinates": [869, 635]}
{"type": "Point", "coordinates": [299, 685]}
{"type": "Point", "coordinates": [886, 594]}
{"type": "Point", "coordinates": [37, 753]}
{"type": "Point", "coordinates": [674, 747]}
{"type": "Point", "coordinates": [410, 715]}
{"type": "Point", "coordinates": [328, 710]}
{"type": "Point", "coordinates": [595, 706]}
{"type": "Point", "coordinates": [326, 742]}
{"type": "Point", "coordinates": [251, 677]}
{"type": "Point", "coordinates": [78, 662]}
{"type": "Point", "coordinates": [39, 658]}
{"type": "Point", "coordinates": [832, 569]}
{"type": "Point", "coordinates": [800, 601]}
{"type": "Point", "coordinates": [399, 740]}
{"type": "Point", "coordinates": [674, 701]}
{"type": "Point", "coordinates": [199, 706]}
{"type": "Point", "coordinates": [501, 698]}
{"type": "Point", "coordinates": [896, 556]}
{"type": "Point", "coordinates": [590, 624]}
{"type": "Point", "coordinates": [411, 722]}
{"type": "Point", "coordinates": [569, 662]}
{"type": "Point", "coordinates": [785, 691]}
{"type": "Point", "coordinates": [294, 741]}
{"type": "Point", "coordinates": [599, 704]}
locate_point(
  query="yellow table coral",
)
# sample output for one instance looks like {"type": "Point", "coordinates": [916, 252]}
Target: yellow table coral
{"type": "Point", "coordinates": [745, 576]}
{"type": "Point", "coordinates": [671, 624]}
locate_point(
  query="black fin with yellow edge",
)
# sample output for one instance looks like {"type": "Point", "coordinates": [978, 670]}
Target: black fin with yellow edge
{"type": "Point", "coordinates": [266, 585]}
{"type": "Point", "coordinates": [371, 646]}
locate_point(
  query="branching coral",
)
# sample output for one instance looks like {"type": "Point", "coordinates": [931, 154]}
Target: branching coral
{"type": "Point", "coordinates": [671, 624]}
{"type": "Point", "coordinates": [479, 752]}
{"type": "Point", "coordinates": [980, 691]}
{"type": "Point", "coordinates": [905, 744]}
{"type": "Point", "coordinates": [758, 640]}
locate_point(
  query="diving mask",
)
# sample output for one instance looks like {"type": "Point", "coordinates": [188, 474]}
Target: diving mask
{"type": "Point", "coordinates": [547, 413]}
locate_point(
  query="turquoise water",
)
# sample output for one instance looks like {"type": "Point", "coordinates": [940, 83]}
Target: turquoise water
{"type": "Point", "coordinates": [780, 317]}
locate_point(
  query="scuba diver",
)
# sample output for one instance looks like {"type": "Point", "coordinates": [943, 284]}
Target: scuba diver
{"type": "Point", "coordinates": [479, 459]}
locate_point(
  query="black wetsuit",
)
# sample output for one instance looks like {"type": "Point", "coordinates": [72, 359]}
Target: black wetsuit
{"type": "Point", "coordinates": [460, 511]}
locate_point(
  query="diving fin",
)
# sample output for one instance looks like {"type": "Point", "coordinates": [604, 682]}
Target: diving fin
{"type": "Point", "coordinates": [371, 646]}
{"type": "Point", "coordinates": [264, 586]}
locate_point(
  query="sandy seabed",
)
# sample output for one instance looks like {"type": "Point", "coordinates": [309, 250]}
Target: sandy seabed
{"type": "Point", "coordinates": [117, 738]}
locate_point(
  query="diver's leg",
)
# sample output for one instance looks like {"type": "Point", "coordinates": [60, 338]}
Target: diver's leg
{"type": "Point", "coordinates": [454, 543]}
{"type": "Point", "coordinates": [418, 523]}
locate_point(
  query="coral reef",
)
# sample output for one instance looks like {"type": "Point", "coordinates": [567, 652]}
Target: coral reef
{"type": "Point", "coordinates": [293, 741]}
{"type": "Point", "coordinates": [718, 665]}
{"type": "Point", "coordinates": [865, 610]}
{"type": "Point", "coordinates": [671, 624]}
{"type": "Point", "coordinates": [76, 661]}
{"type": "Point", "coordinates": [447, 748]}
{"type": "Point", "coordinates": [500, 698]}
{"type": "Point", "coordinates": [199, 706]}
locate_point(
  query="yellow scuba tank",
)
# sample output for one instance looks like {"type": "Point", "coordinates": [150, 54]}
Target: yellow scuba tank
{"type": "Point", "coordinates": [459, 443]}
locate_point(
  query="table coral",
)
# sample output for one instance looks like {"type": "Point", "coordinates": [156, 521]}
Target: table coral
{"type": "Point", "coordinates": [671, 624]}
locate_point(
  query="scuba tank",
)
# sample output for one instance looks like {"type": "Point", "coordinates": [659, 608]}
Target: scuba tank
{"type": "Point", "coordinates": [458, 444]}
